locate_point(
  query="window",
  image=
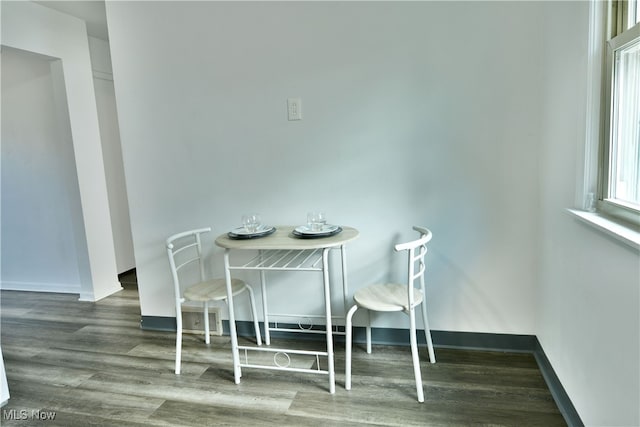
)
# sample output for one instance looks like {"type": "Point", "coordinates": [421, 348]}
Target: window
{"type": "Point", "coordinates": [619, 189]}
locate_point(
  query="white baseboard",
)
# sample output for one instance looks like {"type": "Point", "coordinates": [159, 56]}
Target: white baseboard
{"type": "Point", "coordinates": [93, 297]}
{"type": "Point", "coordinates": [63, 288]}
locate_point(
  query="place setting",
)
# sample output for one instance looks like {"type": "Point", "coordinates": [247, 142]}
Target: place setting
{"type": "Point", "coordinates": [252, 228]}
{"type": "Point", "coordinates": [316, 227]}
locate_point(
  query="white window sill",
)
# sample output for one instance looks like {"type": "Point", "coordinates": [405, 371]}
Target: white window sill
{"type": "Point", "coordinates": [617, 229]}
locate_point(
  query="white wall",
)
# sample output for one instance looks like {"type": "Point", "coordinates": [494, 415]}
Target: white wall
{"type": "Point", "coordinates": [406, 121]}
{"type": "Point", "coordinates": [30, 27]}
{"type": "Point", "coordinates": [588, 306]}
{"type": "Point", "coordinates": [40, 194]}
{"type": "Point", "coordinates": [112, 153]}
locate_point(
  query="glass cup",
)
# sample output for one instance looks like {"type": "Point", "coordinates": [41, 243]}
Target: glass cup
{"type": "Point", "coordinates": [590, 202]}
{"type": "Point", "coordinates": [251, 222]}
{"type": "Point", "coordinates": [316, 220]}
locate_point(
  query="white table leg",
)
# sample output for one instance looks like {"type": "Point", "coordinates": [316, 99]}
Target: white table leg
{"type": "Point", "coordinates": [327, 306]}
{"type": "Point", "coordinates": [265, 311]}
{"type": "Point", "coordinates": [237, 373]}
{"type": "Point", "coordinates": [345, 286]}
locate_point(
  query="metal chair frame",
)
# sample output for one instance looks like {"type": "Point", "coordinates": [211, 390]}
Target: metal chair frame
{"type": "Point", "coordinates": [393, 297]}
{"type": "Point", "coordinates": [204, 291]}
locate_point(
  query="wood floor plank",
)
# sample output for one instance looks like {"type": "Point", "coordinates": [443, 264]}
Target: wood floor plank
{"type": "Point", "coordinates": [84, 404]}
{"type": "Point", "coordinates": [93, 317]}
{"type": "Point", "coordinates": [31, 370]}
{"type": "Point", "coordinates": [71, 419]}
{"type": "Point", "coordinates": [179, 388]}
{"type": "Point", "coordinates": [32, 323]}
{"type": "Point", "coordinates": [186, 414]}
{"type": "Point", "coordinates": [110, 362]}
{"type": "Point", "coordinates": [14, 352]}
{"type": "Point", "coordinates": [487, 358]}
{"type": "Point", "coordinates": [9, 311]}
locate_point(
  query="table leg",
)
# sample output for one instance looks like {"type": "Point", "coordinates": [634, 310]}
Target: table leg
{"type": "Point", "coordinates": [265, 311]}
{"type": "Point", "coordinates": [232, 320]}
{"type": "Point", "coordinates": [345, 286]}
{"type": "Point", "coordinates": [327, 305]}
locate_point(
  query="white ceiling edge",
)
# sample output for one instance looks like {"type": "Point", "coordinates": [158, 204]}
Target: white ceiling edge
{"type": "Point", "coordinates": [93, 12]}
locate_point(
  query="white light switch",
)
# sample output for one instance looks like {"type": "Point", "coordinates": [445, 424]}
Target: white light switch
{"type": "Point", "coordinates": [294, 107]}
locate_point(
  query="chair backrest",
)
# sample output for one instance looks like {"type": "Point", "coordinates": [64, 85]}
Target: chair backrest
{"type": "Point", "coordinates": [417, 249]}
{"type": "Point", "coordinates": [184, 249]}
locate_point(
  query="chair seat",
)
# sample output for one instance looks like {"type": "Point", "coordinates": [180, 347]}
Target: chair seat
{"type": "Point", "coordinates": [213, 290]}
{"type": "Point", "coordinates": [386, 297]}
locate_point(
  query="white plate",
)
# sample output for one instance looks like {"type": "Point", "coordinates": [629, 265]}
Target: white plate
{"type": "Point", "coordinates": [241, 231]}
{"type": "Point", "coordinates": [326, 229]}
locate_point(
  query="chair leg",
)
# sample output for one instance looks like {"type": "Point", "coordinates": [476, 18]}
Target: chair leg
{"type": "Point", "coordinates": [415, 356]}
{"type": "Point", "coordinates": [254, 314]}
{"type": "Point", "coordinates": [178, 339]}
{"type": "Point", "coordinates": [427, 333]}
{"type": "Point", "coordinates": [348, 344]}
{"type": "Point", "coordinates": [207, 337]}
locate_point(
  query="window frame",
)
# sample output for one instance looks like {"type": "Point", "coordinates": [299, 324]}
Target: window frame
{"type": "Point", "coordinates": [616, 37]}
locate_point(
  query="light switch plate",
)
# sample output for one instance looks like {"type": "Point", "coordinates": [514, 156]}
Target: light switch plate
{"type": "Point", "coordinates": [294, 108]}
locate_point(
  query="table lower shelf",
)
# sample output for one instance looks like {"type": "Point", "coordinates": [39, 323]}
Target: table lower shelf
{"type": "Point", "coordinates": [283, 260]}
{"type": "Point", "coordinates": [305, 325]}
{"type": "Point", "coordinates": [281, 360]}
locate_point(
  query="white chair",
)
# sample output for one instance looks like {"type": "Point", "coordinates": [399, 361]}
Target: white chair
{"type": "Point", "coordinates": [185, 249]}
{"type": "Point", "coordinates": [391, 297]}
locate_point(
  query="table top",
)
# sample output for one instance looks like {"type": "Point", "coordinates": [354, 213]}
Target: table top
{"type": "Point", "coordinates": [283, 238]}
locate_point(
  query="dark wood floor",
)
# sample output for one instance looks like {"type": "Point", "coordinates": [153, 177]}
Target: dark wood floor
{"type": "Point", "coordinates": [91, 364]}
